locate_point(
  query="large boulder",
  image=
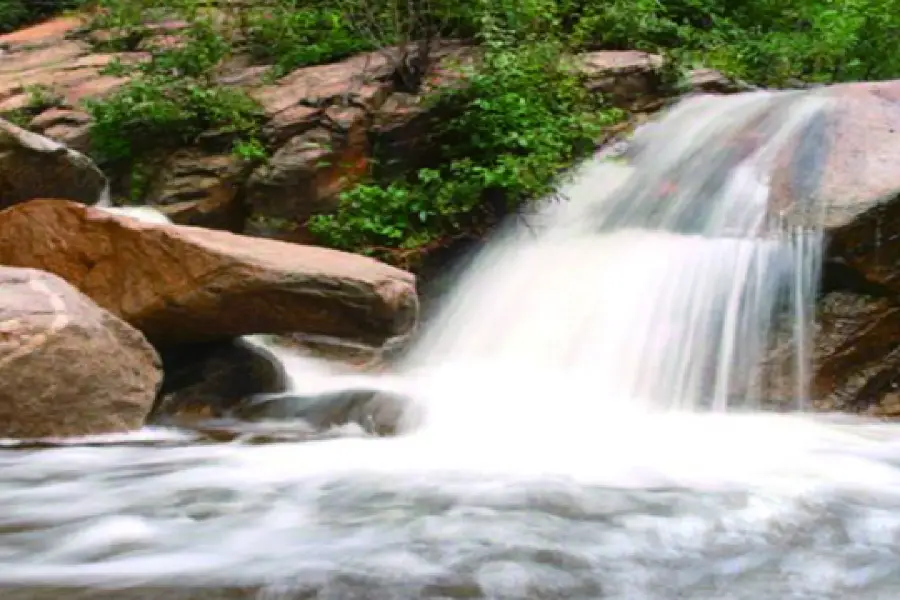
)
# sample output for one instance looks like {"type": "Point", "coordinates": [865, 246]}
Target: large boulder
{"type": "Point", "coordinates": [842, 173]}
{"type": "Point", "coordinates": [68, 367]}
{"type": "Point", "coordinates": [32, 166]}
{"type": "Point", "coordinates": [182, 284]}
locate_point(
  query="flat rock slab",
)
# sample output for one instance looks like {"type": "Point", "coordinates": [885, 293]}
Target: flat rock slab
{"type": "Point", "coordinates": [182, 284]}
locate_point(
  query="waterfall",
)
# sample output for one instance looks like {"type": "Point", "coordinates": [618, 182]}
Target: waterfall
{"type": "Point", "coordinates": [652, 284]}
{"type": "Point", "coordinates": [589, 432]}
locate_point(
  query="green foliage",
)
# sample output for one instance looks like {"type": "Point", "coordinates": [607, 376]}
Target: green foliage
{"type": "Point", "coordinates": [18, 117]}
{"type": "Point", "coordinates": [40, 98]}
{"type": "Point", "coordinates": [522, 118]}
{"type": "Point", "coordinates": [172, 98]}
{"type": "Point", "coordinates": [293, 34]}
{"type": "Point", "coordinates": [769, 42]}
{"type": "Point", "coordinates": [154, 111]}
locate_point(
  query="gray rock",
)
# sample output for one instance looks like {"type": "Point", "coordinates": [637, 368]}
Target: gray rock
{"type": "Point", "coordinates": [33, 166]}
{"type": "Point", "coordinates": [376, 412]}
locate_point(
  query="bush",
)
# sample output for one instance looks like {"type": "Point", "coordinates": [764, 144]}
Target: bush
{"type": "Point", "coordinates": [522, 118]}
{"type": "Point", "coordinates": [769, 42]}
{"type": "Point", "coordinates": [291, 36]}
{"type": "Point", "coordinates": [172, 98]}
{"type": "Point", "coordinates": [156, 112]}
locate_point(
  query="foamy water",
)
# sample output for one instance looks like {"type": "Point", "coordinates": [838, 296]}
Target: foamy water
{"type": "Point", "coordinates": [589, 394]}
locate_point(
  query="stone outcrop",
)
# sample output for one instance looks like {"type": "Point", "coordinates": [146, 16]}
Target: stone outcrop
{"type": "Point", "coordinates": [322, 123]}
{"type": "Point", "coordinates": [68, 367]}
{"type": "Point", "coordinates": [843, 173]}
{"type": "Point", "coordinates": [627, 77]}
{"type": "Point", "coordinates": [201, 188]}
{"type": "Point", "coordinates": [182, 284]}
{"type": "Point", "coordinates": [33, 166]}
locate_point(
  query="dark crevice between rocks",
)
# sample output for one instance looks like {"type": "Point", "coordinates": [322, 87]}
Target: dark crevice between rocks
{"type": "Point", "coordinates": [838, 276]}
{"type": "Point", "coordinates": [209, 380]}
{"type": "Point", "coordinates": [239, 389]}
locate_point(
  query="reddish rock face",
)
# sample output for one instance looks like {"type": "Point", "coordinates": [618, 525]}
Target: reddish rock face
{"type": "Point", "coordinates": [64, 68]}
{"type": "Point", "coordinates": [185, 284]}
{"type": "Point", "coordinates": [54, 29]}
{"type": "Point", "coordinates": [322, 122]}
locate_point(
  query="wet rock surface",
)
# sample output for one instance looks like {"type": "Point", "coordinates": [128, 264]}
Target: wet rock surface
{"type": "Point", "coordinates": [184, 285]}
{"type": "Point", "coordinates": [376, 412]}
{"type": "Point", "coordinates": [843, 174]}
{"type": "Point", "coordinates": [211, 379]}
{"type": "Point", "coordinates": [68, 367]}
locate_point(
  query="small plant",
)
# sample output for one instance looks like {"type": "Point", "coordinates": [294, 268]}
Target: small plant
{"type": "Point", "coordinates": [173, 97]}
{"type": "Point", "coordinates": [19, 117]}
{"type": "Point", "coordinates": [41, 97]}
{"type": "Point", "coordinates": [250, 150]}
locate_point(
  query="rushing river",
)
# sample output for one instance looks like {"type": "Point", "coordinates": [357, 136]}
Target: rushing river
{"type": "Point", "coordinates": [692, 506]}
{"type": "Point", "coordinates": [590, 427]}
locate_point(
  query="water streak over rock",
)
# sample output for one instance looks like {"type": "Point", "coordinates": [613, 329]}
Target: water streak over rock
{"type": "Point", "coordinates": [842, 174]}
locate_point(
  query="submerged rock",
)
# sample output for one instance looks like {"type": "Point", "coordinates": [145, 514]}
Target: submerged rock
{"type": "Point", "coordinates": [211, 379]}
{"type": "Point", "coordinates": [182, 285]}
{"type": "Point", "coordinates": [376, 412]}
{"type": "Point", "coordinates": [68, 367]}
{"type": "Point", "coordinates": [32, 166]}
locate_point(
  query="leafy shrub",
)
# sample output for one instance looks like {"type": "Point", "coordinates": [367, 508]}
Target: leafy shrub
{"type": "Point", "coordinates": [292, 34]}
{"type": "Point", "coordinates": [522, 117]}
{"type": "Point", "coordinates": [769, 42]}
{"type": "Point", "coordinates": [172, 98]}
{"type": "Point", "coordinates": [153, 111]}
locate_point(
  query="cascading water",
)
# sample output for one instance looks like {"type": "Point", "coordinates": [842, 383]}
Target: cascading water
{"type": "Point", "coordinates": [652, 284]}
{"type": "Point", "coordinates": [567, 451]}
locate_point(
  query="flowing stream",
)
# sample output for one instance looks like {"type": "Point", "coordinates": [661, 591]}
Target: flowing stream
{"type": "Point", "coordinates": [591, 425]}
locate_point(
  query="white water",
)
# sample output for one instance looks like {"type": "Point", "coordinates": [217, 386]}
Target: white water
{"type": "Point", "coordinates": [567, 451]}
{"type": "Point", "coordinates": [653, 301]}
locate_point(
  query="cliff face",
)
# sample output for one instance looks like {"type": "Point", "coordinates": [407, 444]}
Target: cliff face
{"type": "Point", "coordinates": [321, 122]}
